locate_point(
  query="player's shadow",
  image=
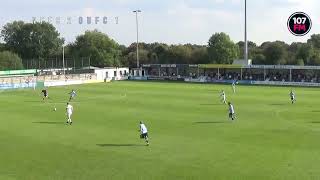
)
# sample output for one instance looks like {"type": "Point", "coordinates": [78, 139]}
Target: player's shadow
{"type": "Point", "coordinates": [49, 101]}
{"type": "Point", "coordinates": [210, 122]}
{"type": "Point", "coordinates": [278, 104]}
{"type": "Point", "coordinates": [42, 122]}
{"type": "Point", "coordinates": [210, 104]}
{"type": "Point", "coordinates": [315, 122]}
{"type": "Point", "coordinates": [34, 101]}
{"type": "Point", "coordinates": [120, 145]}
{"type": "Point", "coordinates": [214, 90]}
{"type": "Point", "coordinates": [315, 111]}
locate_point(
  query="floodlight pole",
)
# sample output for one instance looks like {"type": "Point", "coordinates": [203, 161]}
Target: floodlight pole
{"type": "Point", "coordinates": [64, 72]}
{"type": "Point", "coordinates": [137, 25]}
{"type": "Point", "coordinates": [245, 32]}
{"type": "Point", "coordinates": [39, 54]}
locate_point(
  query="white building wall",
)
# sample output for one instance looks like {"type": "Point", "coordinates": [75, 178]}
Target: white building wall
{"type": "Point", "coordinates": [242, 62]}
{"type": "Point", "coordinates": [120, 73]}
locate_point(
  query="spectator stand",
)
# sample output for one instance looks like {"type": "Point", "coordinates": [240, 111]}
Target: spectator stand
{"type": "Point", "coordinates": [249, 74]}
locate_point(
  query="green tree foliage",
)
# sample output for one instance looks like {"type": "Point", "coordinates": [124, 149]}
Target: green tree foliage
{"type": "Point", "coordinates": [251, 49]}
{"type": "Point", "coordinates": [300, 62]}
{"type": "Point", "coordinates": [200, 55]}
{"type": "Point", "coordinates": [30, 40]}
{"type": "Point", "coordinates": [161, 51]}
{"type": "Point", "coordinates": [2, 47]}
{"type": "Point", "coordinates": [9, 60]}
{"type": "Point", "coordinates": [102, 50]}
{"type": "Point", "coordinates": [315, 59]}
{"type": "Point", "coordinates": [259, 59]}
{"type": "Point", "coordinates": [42, 40]}
{"type": "Point", "coordinates": [179, 54]}
{"type": "Point", "coordinates": [164, 54]}
{"type": "Point", "coordinates": [275, 52]}
{"type": "Point", "coordinates": [221, 49]}
{"type": "Point", "coordinates": [315, 41]}
{"type": "Point", "coordinates": [305, 52]}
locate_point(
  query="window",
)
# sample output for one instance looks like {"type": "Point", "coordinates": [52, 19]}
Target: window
{"type": "Point", "coordinates": [115, 73]}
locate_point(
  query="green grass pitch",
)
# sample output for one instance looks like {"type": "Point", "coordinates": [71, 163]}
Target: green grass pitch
{"type": "Point", "coordinates": [190, 134]}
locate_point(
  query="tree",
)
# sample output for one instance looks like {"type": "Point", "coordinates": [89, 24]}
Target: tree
{"type": "Point", "coordinates": [251, 48]}
{"type": "Point", "coordinates": [179, 54]}
{"type": "Point", "coordinates": [259, 59]}
{"type": "Point", "coordinates": [161, 50]}
{"type": "Point", "coordinates": [221, 49]}
{"type": "Point", "coordinates": [9, 61]}
{"type": "Point", "coordinates": [275, 53]}
{"type": "Point", "coordinates": [304, 52]}
{"type": "Point", "coordinates": [123, 58]}
{"type": "Point", "coordinates": [200, 55]}
{"type": "Point", "coordinates": [144, 58]}
{"type": "Point", "coordinates": [164, 54]}
{"type": "Point", "coordinates": [315, 59]}
{"type": "Point", "coordinates": [292, 51]}
{"type": "Point", "coordinates": [294, 47]}
{"type": "Point", "coordinates": [315, 41]}
{"type": "Point", "coordinates": [102, 50]}
{"type": "Point", "coordinates": [30, 40]}
{"type": "Point", "coordinates": [2, 47]}
{"type": "Point", "coordinates": [300, 62]}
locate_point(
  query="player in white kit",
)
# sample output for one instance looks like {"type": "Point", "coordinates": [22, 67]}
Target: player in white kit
{"type": "Point", "coordinates": [144, 132]}
{"type": "Point", "coordinates": [223, 97]}
{"type": "Point", "coordinates": [234, 86]}
{"type": "Point", "coordinates": [69, 110]}
{"type": "Point", "coordinates": [292, 96]}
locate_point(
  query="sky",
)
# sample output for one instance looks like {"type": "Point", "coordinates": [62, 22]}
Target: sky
{"type": "Point", "coordinates": [167, 21]}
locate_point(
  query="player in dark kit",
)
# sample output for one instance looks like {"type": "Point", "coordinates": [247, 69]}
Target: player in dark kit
{"type": "Point", "coordinates": [72, 95]}
{"type": "Point", "coordinates": [45, 94]}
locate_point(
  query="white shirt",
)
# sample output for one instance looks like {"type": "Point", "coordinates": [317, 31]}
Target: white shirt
{"type": "Point", "coordinates": [292, 94]}
{"type": "Point", "coordinates": [231, 109]}
{"type": "Point", "coordinates": [73, 93]}
{"type": "Point", "coordinates": [69, 109]}
{"type": "Point", "coordinates": [143, 129]}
